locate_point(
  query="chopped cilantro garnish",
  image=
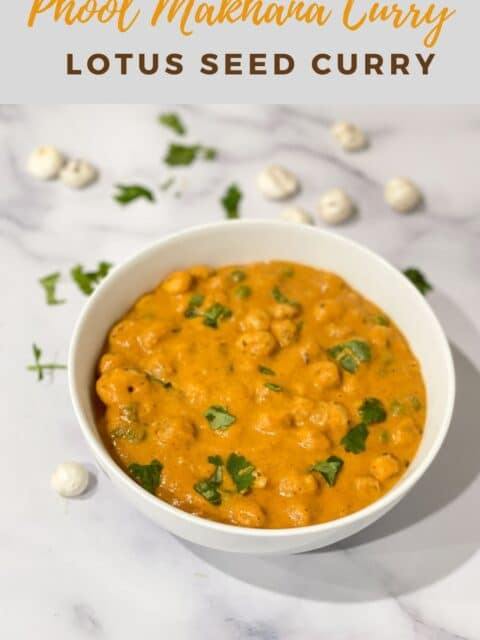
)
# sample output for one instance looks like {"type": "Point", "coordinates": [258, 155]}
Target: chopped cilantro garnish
{"type": "Point", "coordinates": [372, 411]}
{"type": "Point", "coordinates": [218, 417]}
{"type": "Point", "coordinates": [350, 354]}
{"type": "Point", "coordinates": [195, 301]}
{"type": "Point", "coordinates": [241, 471]}
{"type": "Point", "coordinates": [272, 386]}
{"type": "Point", "coordinates": [265, 370]}
{"type": "Point", "coordinates": [381, 320]}
{"type": "Point", "coordinates": [132, 434]}
{"type": "Point", "coordinates": [238, 275]}
{"type": "Point", "coordinates": [211, 316]}
{"type": "Point", "coordinates": [417, 278]}
{"type": "Point", "coordinates": [172, 121]}
{"type": "Point", "coordinates": [86, 280]}
{"type": "Point", "coordinates": [288, 272]}
{"type": "Point", "coordinates": [182, 155]}
{"type": "Point", "coordinates": [209, 488]}
{"type": "Point", "coordinates": [231, 201]}
{"type": "Point", "coordinates": [354, 440]}
{"type": "Point", "coordinates": [147, 475]}
{"type": "Point", "coordinates": [215, 313]}
{"type": "Point", "coordinates": [167, 184]}
{"type": "Point", "coordinates": [129, 193]}
{"type": "Point", "coordinates": [49, 284]}
{"type": "Point", "coordinates": [209, 153]}
{"type": "Point", "coordinates": [329, 468]}
{"type": "Point", "coordinates": [243, 291]}
{"type": "Point", "coordinates": [40, 368]}
{"type": "Point", "coordinates": [279, 297]}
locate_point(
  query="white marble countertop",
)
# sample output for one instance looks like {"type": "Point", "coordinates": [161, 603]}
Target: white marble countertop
{"type": "Point", "coordinates": [95, 568]}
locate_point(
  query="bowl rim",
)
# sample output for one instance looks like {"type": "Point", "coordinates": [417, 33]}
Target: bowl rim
{"type": "Point", "coordinates": [106, 461]}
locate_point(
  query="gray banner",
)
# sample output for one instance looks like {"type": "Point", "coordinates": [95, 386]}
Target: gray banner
{"type": "Point", "coordinates": [330, 63]}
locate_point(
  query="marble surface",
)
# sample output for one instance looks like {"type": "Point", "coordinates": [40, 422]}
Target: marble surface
{"type": "Point", "coordinates": [95, 568]}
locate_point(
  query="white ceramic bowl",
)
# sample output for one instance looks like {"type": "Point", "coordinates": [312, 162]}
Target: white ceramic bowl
{"type": "Point", "coordinates": [243, 242]}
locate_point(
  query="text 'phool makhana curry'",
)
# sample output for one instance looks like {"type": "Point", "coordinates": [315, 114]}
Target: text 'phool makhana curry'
{"type": "Point", "coordinates": [264, 395]}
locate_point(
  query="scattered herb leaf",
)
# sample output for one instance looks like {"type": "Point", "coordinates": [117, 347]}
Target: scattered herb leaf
{"type": "Point", "coordinates": [241, 471]}
{"type": "Point", "coordinates": [86, 280]}
{"type": "Point", "coordinates": [243, 291]}
{"type": "Point", "coordinates": [130, 192]}
{"type": "Point", "coordinates": [265, 370]}
{"type": "Point", "coordinates": [195, 301]}
{"type": "Point", "coordinates": [417, 278]}
{"type": "Point", "coordinates": [40, 368]}
{"type": "Point", "coordinates": [354, 440]}
{"type": "Point", "coordinates": [172, 121]}
{"type": "Point", "coordinates": [167, 184]}
{"type": "Point", "coordinates": [49, 284]}
{"type": "Point", "coordinates": [132, 434]}
{"type": "Point", "coordinates": [279, 297]}
{"type": "Point", "coordinates": [231, 201]}
{"type": "Point", "coordinates": [148, 475]}
{"type": "Point", "coordinates": [181, 155]}
{"type": "Point", "coordinates": [288, 272]}
{"type": "Point", "coordinates": [238, 275]}
{"type": "Point", "coordinates": [350, 354]}
{"type": "Point", "coordinates": [209, 153]}
{"type": "Point", "coordinates": [218, 417]}
{"type": "Point", "coordinates": [381, 320]}
{"type": "Point", "coordinates": [272, 386]}
{"type": "Point", "coordinates": [329, 468]}
{"type": "Point", "coordinates": [215, 313]}
{"type": "Point", "coordinates": [208, 488]}
{"type": "Point", "coordinates": [372, 411]}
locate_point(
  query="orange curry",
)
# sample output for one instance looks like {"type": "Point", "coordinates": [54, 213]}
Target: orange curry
{"type": "Point", "coordinates": [263, 395]}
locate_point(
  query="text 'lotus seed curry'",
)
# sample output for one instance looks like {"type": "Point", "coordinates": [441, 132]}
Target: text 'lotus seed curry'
{"type": "Point", "coordinates": [264, 395]}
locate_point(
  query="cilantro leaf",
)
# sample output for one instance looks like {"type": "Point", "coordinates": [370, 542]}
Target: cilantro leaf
{"type": "Point", "coordinates": [328, 468]}
{"type": "Point", "coordinates": [265, 370]}
{"type": "Point", "coordinates": [354, 440]}
{"type": "Point", "coordinates": [211, 316]}
{"type": "Point", "coordinates": [231, 201]}
{"type": "Point", "coordinates": [172, 121]}
{"type": "Point", "coordinates": [384, 321]}
{"type": "Point", "coordinates": [218, 417]}
{"type": "Point", "coordinates": [208, 488]}
{"type": "Point", "coordinates": [130, 433]}
{"type": "Point", "coordinates": [215, 313]}
{"type": "Point", "coordinates": [129, 193]}
{"type": "Point", "coordinates": [279, 297]}
{"type": "Point", "coordinates": [209, 153]}
{"type": "Point", "coordinates": [195, 301]}
{"type": "Point", "coordinates": [372, 411]}
{"type": "Point", "coordinates": [272, 386]}
{"type": "Point", "coordinates": [238, 275]}
{"type": "Point", "coordinates": [147, 475]}
{"type": "Point", "coordinates": [241, 471]}
{"type": "Point", "coordinates": [243, 291]}
{"type": "Point", "coordinates": [167, 184]}
{"type": "Point", "coordinates": [40, 368]}
{"type": "Point", "coordinates": [350, 354]}
{"type": "Point", "coordinates": [86, 280]}
{"type": "Point", "coordinates": [181, 155]}
{"type": "Point", "coordinates": [417, 278]}
{"type": "Point", "coordinates": [49, 284]}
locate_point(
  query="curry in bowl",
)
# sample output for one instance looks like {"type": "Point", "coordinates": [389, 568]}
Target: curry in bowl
{"type": "Point", "coordinates": [265, 395]}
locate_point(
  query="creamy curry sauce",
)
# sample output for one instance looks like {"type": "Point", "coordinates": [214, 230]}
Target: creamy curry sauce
{"type": "Point", "coordinates": [263, 395]}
